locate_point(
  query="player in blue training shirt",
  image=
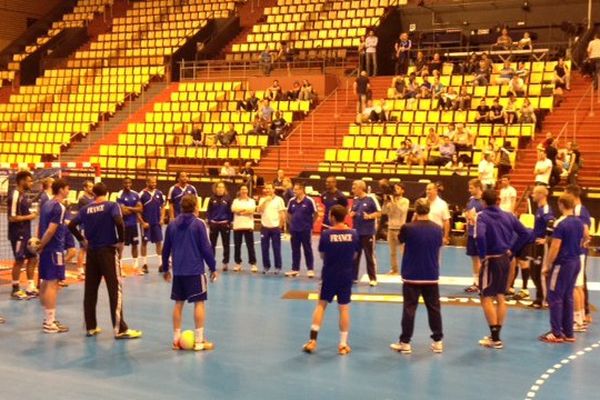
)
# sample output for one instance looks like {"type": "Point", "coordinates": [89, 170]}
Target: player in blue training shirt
{"type": "Point", "coordinates": [365, 211]}
{"type": "Point", "coordinates": [19, 233]}
{"type": "Point", "coordinates": [176, 193]}
{"type": "Point", "coordinates": [582, 309]}
{"type": "Point", "coordinates": [561, 269]}
{"type": "Point", "coordinates": [46, 194]}
{"type": "Point", "coordinates": [151, 218]}
{"type": "Point", "coordinates": [302, 213]}
{"type": "Point", "coordinates": [330, 197]}
{"type": "Point", "coordinates": [86, 198]}
{"type": "Point", "coordinates": [422, 241]}
{"type": "Point", "coordinates": [187, 244]}
{"type": "Point", "coordinates": [131, 207]}
{"type": "Point", "coordinates": [52, 252]}
{"type": "Point", "coordinates": [338, 247]}
{"type": "Point", "coordinates": [102, 224]}
{"type": "Point", "coordinates": [499, 235]}
{"type": "Point", "coordinates": [474, 206]}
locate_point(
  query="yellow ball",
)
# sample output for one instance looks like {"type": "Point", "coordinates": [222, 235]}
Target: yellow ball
{"type": "Point", "coordinates": [187, 340]}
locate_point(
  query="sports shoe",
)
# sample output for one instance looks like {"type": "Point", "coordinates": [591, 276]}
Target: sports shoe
{"type": "Point", "coordinates": [160, 269]}
{"type": "Point", "coordinates": [277, 271]}
{"type": "Point", "coordinates": [54, 327]}
{"type": "Point", "coordinates": [580, 328]}
{"type": "Point", "coordinates": [93, 332]}
{"type": "Point", "coordinates": [568, 339]}
{"type": "Point", "coordinates": [588, 319]}
{"type": "Point", "coordinates": [32, 292]}
{"type": "Point", "coordinates": [19, 294]}
{"type": "Point", "coordinates": [292, 274]}
{"type": "Point", "coordinates": [237, 268]}
{"type": "Point", "coordinates": [344, 349]}
{"type": "Point", "coordinates": [492, 344]}
{"type": "Point", "coordinates": [536, 305]}
{"type": "Point", "coordinates": [265, 271]}
{"type": "Point", "coordinates": [225, 267]}
{"type": "Point", "coordinates": [401, 347]}
{"type": "Point", "coordinates": [204, 346]}
{"type": "Point", "coordinates": [253, 268]}
{"type": "Point", "coordinates": [310, 274]}
{"type": "Point", "coordinates": [175, 345]}
{"type": "Point", "coordinates": [145, 268]}
{"type": "Point", "coordinates": [310, 346]}
{"type": "Point", "coordinates": [549, 337]}
{"type": "Point", "coordinates": [522, 295]}
{"type": "Point", "coordinates": [63, 284]}
{"type": "Point", "coordinates": [510, 292]}
{"type": "Point", "coordinates": [472, 289]}
{"type": "Point", "coordinates": [437, 347]}
{"type": "Point", "coordinates": [355, 282]}
{"type": "Point", "coordinates": [129, 334]}
{"type": "Point", "coordinates": [373, 283]}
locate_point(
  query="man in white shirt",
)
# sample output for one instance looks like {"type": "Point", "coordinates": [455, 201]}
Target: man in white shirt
{"type": "Point", "coordinates": [243, 208]}
{"type": "Point", "coordinates": [542, 170]}
{"type": "Point", "coordinates": [593, 52]}
{"type": "Point", "coordinates": [486, 171]}
{"type": "Point", "coordinates": [272, 212]}
{"type": "Point", "coordinates": [438, 210]}
{"type": "Point", "coordinates": [371, 52]}
{"type": "Point", "coordinates": [508, 195]}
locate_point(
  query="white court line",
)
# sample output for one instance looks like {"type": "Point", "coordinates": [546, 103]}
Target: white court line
{"type": "Point", "coordinates": [534, 389]}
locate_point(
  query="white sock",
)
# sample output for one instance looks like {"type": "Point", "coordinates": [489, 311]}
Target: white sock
{"type": "Point", "coordinates": [344, 338]}
{"type": "Point", "coordinates": [476, 279]}
{"type": "Point", "coordinates": [31, 284]}
{"type": "Point", "coordinates": [136, 264]}
{"type": "Point", "coordinates": [578, 317]}
{"type": "Point", "coordinates": [199, 335]}
{"type": "Point", "coordinates": [176, 335]}
{"type": "Point", "coordinates": [315, 328]}
{"type": "Point", "coordinates": [50, 315]}
{"type": "Point", "coordinates": [144, 260]}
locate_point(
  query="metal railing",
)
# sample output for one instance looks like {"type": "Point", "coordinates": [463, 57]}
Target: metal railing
{"type": "Point", "coordinates": [583, 103]}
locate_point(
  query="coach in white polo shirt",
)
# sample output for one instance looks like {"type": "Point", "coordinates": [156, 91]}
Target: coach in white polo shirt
{"type": "Point", "coordinates": [438, 210]}
{"type": "Point", "coordinates": [272, 218]}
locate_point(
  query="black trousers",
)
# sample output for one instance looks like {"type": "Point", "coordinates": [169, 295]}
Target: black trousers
{"type": "Point", "coordinates": [367, 244]}
{"type": "Point", "coordinates": [535, 272]}
{"type": "Point", "coordinates": [103, 263]}
{"type": "Point", "coordinates": [431, 297]}
{"type": "Point", "coordinates": [223, 230]}
{"type": "Point", "coordinates": [248, 236]}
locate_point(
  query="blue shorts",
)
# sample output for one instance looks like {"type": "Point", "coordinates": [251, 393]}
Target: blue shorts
{"type": "Point", "coordinates": [52, 266]}
{"type": "Point", "coordinates": [131, 235]}
{"type": "Point", "coordinates": [69, 241]}
{"type": "Point", "coordinates": [189, 288]}
{"type": "Point", "coordinates": [153, 234]}
{"type": "Point", "coordinates": [493, 276]}
{"type": "Point", "coordinates": [329, 290]}
{"type": "Point", "coordinates": [20, 250]}
{"type": "Point", "coordinates": [472, 247]}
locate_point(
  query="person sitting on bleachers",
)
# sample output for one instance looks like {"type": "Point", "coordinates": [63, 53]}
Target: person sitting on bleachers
{"type": "Point", "coordinates": [265, 111]}
{"type": "Point", "coordinates": [412, 88]}
{"type": "Point", "coordinates": [482, 74]}
{"type": "Point", "coordinates": [455, 164]}
{"type": "Point", "coordinates": [504, 41]}
{"type": "Point", "coordinates": [432, 141]}
{"type": "Point", "coordinates": [504, 163]}
{"type": "Point", "coordinates": [247, 172]}
{"type": "Point", "coordinates": [435, 64]}
{"type": "Point", "coordinates": [471, 65]}
{"type": "Point", "coordinates": [306, 91]}
{"type": "Point", "coordinates": [258, 126]}
{"type": "Point", "coordinates": [227, 170]}
{"type": "Point", "coordinates": [525, 43]}
{"type": "Point", "coordinates": [516, 86]}
{"type": "Point", "coordinates": [511, 112]}
{"type": "Point", "coordinates": [497, 114]}
{"type": "Point", "coordinates": [197, 136]}
{"type": "Point", "coordinates": [447, 99]}
{"type": "Point", "coordinates": [483, 112]}
{"type": "Point", "coordinates": [522, 71]}
{"type": "Point", "coordinates": [278, 129]}
{"type": "Point", "coordinates": [447, 150]}
{"type": "Point", "coordinates": [274, 92]}
{"type": "Point", "coordinates": [527, 113]}
{"type": "Point", "coordinates": [464, 139]}
{"type": "Point", "coordinates": [266, 61]}
{"type": "Point", "coordinates": [506, 73]}
{"type": "Point", "coordinates": [437, 88]}
{"type": "Point", "coordinates": [425, 89]}
{"type": "Point", "coordinates": [463, 101]}
{"type": "Point", "coordinates": [562, 76]}
{"type": "Point", "coordinates": [493, 144]}
{"type": "Point", "coordinates": [421, 64]}
{"type": "Point", "coordinates": [450, 130]}
{"type": "Point", "coordinates": [294, 93]}
{"type": "Point", "coordinates": [228, 137]}
{"type": "Point", "coordinates": [410, 154]}
{"type": "Point", "coordinates": [374, 113]}
{"type": "Point", "coordinates": [398, 89]}
{"type": "Point", "coordinates": [250, 104]}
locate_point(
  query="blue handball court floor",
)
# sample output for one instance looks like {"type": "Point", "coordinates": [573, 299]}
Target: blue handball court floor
{"type": "Point", "coordinates": [258, 336]}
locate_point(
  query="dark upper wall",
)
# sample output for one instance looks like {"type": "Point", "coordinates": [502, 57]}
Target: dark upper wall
{"type": "Point", "coordinates": [14, 15]}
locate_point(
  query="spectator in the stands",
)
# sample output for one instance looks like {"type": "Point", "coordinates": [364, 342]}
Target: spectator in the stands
{"type": "Point", "coordinates": [421, 64]}
{"type": "Point", "coordinates": [512, 110]}
{"type": "Point", "coordinates": [266, 61]}
{"type": "Point", "coordinates": [516, 86]}
{"type": "Point", "coordinates": [227, 170]}
{"type": "Point", "coordinates": [362, 54]}
{"type": "Point", "coordinates": [527, 113]}
{"type": "Point", "coordinates": [505, 74]}
{"type": "Point", "coordinates": [437, 88]}
{"type": "Point", "coordinates": [250, 104]}
{"type": "Point", "coordinates": [425, 88]}
{"type": "Point", "coordinates": [525, 43]}
{"type": "Point", "coordinates": [265, 111]}
{"type": "Point", "coordinates": [455, 164]}
{"type": "Point", "coordinates": [432, 141]}
{"type": "Point", "coordinates": [593, 53]}
{"type": "Point", "coordinates": [197, 135]}
{"type": "Point", "coordinates": [278, 182]}
{"type": "Point", "coordinates": [450, 131]}
{"type": "Point", "coordinates": [373, 112]}
{"type": "Point", "coordinates": [412, 88]}
{"type": "Point", "coordinates": [398, 89]}
{"type": "Point", "coordinates": [485, 170]}
{"type": "Point", "coordinates": [274, 92]}
{"type": "Point", "coordinates": [562, 75]}
{"type": "Point", "coordinates": [552, 151]}
{"type": "Point", "coordinates": [435, 64]}
{"type": "Point", "coordinates": [497, 114]}
{"type": "Point", "coordinates": [575, 162]}
{"type": "Point", "coordinates": [522, 71]}
{"type": "Point", "coordinates": [472, 65]}
{"type": "Point", "coordinates": [306, 91]}
{"type": "Point", "coordinates": [286, 54]}
{"type": "Point", "coordinates": [371, 52]}
{"type": "Point", "coordinates": [278, 129]}
{"type": "Point", "coordinates": [548, 139]}
{"type": "Point", "coordinates": [447, 150]}
{"type": "Point", "coordinates": [504, 163]}
{"type": "Point", "coordinates": [504, 41]}
{"type": "Point", "coordinates": [542, 170]}
{"type": "Point", "coordinates": [481, 76]}
{"type": "Point", "coordinates": [258, 126]}
{"type": "Point", "coordinates": [247, 172]}
{"type": "Point", "coordinates": [410, 154]}
{"type": "Point", "coordinates": [483, 112]}
{"type": "Point", "coordinates": [447, 98]}
{"type": "Point", "coordinates": [494, 144]}
{"type": "Point", "coordinates": [362, 85]}
{"type": "Point", "coordinates": [228, 137]}
{"type": "Point", "coordinates": [294, 93]}
{"type": "Point", "coordinates": [464, 139]}
{"type": "Point", "coordinates": [463, 101]}
{"type": "Point", "coordinates": [402, 51]}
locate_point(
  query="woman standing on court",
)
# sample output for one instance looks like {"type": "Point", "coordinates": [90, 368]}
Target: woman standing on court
{"type": "Point", "coordinates": [243, 208]}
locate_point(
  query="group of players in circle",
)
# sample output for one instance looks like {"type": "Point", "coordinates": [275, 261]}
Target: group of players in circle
{"type": "Point", "coordinates": [554, 251]}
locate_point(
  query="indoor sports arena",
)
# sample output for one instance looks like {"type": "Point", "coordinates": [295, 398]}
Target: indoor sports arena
{"type": "Point", "coordinates": [299, 199]}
